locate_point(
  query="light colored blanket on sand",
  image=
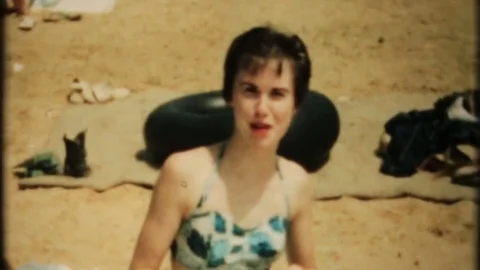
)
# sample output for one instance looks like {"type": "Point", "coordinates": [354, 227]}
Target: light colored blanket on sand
{"type": "Point", "coordinates": [81, 6]}
{"type": "Point", "coordinates": [114, 137]}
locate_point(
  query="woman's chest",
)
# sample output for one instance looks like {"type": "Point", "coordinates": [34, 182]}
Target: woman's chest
{"type": "Point", "coordinates": [247, 207]}
{"type": "Point", "coordinates": [219, 240]}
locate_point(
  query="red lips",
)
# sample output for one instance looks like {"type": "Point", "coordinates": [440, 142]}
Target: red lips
{"type": "Point", "coordinates": [259, 125]}
{"type": "Point", "coordinates": [260, 129]}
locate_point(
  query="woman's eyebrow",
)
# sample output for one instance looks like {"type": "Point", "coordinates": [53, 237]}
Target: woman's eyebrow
{"type": "Point", "coordinates": [281, 89]}
{"type": "Point", "coordinates": [246, 83]}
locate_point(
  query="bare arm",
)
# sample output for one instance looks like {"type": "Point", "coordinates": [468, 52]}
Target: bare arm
{"type": "Point", "coordinates": [301, 247]}
{"type": "Point", "coordinates": [167, 207]}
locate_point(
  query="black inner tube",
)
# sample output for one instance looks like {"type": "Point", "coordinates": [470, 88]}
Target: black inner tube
{"type": "Point", "coordinates": [205, 118]}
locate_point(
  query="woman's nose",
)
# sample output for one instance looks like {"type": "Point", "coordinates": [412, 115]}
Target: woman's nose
{"type": "Point", "coordinates": [261, 106]}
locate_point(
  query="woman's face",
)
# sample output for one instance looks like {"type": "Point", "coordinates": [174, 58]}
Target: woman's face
{"type": "Point", "coordinates": [264, 103]}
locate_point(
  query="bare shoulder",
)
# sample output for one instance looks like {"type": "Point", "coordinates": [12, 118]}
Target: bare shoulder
{"type": "Point", "coordinates": [188, 170]}
{"type": "Point", "coordinates": [294, 174]}
{"type": "Point", "coordinates": [187, 163]}
{"type": "Point", "coordinates": [298, 183]}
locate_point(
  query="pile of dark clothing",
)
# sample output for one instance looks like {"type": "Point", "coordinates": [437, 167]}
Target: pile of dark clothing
{"type": "Point", "coordinates": [417, 136]}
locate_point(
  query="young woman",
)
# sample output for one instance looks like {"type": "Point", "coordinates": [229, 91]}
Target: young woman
{"type": "Point", "coordinates": [237, 205]}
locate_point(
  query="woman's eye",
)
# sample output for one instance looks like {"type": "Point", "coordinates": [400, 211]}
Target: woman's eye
{"type": "Point", "coordinates": [249, 89]}
{"type": "Point", "coordinates": [277, 94]}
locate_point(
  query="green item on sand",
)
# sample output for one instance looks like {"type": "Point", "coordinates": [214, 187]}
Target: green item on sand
{"type": "Point", "coordinates": [46, 163]}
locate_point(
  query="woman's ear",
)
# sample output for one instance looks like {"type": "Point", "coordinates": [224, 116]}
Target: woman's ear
{"type": "Point", "coordinates": [228, 102]}
{"type": "Point", "coordinates": [296, 107]}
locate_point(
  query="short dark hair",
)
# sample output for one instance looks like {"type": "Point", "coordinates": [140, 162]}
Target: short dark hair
{"type": "Point", "coordinates": [263, 43]}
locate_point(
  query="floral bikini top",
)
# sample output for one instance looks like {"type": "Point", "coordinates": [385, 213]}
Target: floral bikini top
{"type": "Point", "coordinates": [210, 240]}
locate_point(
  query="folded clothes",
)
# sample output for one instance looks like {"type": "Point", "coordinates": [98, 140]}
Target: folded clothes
{"type": "Point", "coordinates": [417, 135]}
{"type": "Point", "coordinates": [46, 163]}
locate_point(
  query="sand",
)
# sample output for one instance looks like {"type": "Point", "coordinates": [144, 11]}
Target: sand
{"type": "Point", "coordinates": [358, 49]}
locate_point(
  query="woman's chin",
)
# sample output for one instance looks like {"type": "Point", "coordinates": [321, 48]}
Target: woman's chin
{"type": "Point", "coordinates": [265, 142]}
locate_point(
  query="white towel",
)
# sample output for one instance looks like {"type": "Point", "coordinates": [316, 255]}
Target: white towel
{"type": "Point", "coordinates": [78, 6]}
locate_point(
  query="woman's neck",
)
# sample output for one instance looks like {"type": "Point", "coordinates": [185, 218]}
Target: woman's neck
{"type": "Point", "coordinates": [246, 160]}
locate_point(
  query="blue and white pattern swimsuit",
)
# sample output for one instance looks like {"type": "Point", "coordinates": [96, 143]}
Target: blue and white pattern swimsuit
{"type": "Point", "coordinates": [210, 240]}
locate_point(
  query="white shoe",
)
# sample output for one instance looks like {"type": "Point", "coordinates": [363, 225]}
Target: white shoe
{"type": "Point", "coordinates": [27, 23]}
